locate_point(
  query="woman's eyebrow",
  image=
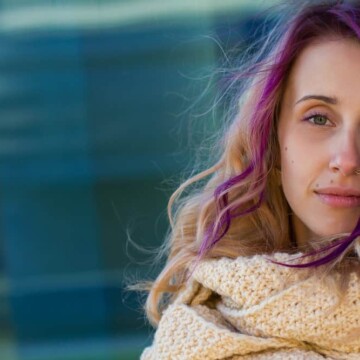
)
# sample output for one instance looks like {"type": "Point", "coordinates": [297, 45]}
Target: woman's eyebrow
{"type": "Point", "coordinates": [326, 99]}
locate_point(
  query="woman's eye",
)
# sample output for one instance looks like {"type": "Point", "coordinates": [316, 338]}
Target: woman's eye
{"type": "Point", "coordinates": [318, 119]}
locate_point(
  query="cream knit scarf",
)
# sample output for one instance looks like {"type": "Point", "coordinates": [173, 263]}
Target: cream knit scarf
{"type": "Point", "coordinates": [250, 308]}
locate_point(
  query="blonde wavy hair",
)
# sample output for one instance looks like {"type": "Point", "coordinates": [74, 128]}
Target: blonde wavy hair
{"type": "Point", "coordinates": [238, 207]}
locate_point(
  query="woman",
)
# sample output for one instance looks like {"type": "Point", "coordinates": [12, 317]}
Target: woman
{"type": "Point", "coordinates": [281, 208]}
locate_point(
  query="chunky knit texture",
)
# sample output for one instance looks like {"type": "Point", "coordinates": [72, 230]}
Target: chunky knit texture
{"type": "Point", "coordinates": [250, 308]}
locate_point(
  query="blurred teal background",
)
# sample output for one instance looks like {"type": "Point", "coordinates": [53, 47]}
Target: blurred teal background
{"type": "Point", "coordinates": [93, 120]}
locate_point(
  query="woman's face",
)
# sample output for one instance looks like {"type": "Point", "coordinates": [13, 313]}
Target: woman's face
{"type": "Point", "coordinates": [319, 138]}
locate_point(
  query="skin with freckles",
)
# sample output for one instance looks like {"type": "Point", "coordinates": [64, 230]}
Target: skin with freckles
{"type": "Point", "coordinates": [319, 137]}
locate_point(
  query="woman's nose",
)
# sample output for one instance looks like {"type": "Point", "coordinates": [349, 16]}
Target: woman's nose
{"type": "Point", "coordinates": [346, 154]}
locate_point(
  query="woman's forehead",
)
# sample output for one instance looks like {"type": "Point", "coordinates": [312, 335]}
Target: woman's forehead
{"type": "Point", "coordinates": [330, 67]}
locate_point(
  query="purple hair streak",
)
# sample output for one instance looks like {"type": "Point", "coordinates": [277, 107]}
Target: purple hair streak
{"type": "Point", "coordinates": [334, 251]}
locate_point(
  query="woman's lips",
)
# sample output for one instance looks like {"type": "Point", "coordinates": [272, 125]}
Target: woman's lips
{"type": "Point", "coordinates": [340, 201]}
